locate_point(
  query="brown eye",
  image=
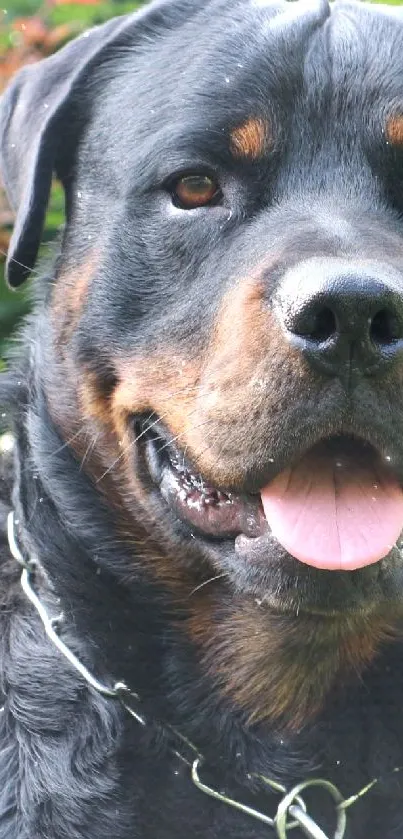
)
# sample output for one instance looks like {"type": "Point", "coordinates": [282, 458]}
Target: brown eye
{"type": "Point", "coordinates": [193, 191]}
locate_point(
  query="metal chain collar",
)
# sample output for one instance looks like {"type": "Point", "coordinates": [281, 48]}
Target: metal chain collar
{"type": "Point", "coordinates": [291, 811]}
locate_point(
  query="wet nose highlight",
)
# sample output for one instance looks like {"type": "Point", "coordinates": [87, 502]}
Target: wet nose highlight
{"type": "Point", "coordinates": [338, 313]}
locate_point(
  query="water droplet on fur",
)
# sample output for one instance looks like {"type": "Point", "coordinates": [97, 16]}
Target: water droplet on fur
{"type": "Point", "coordinates": [227, 79]}
{"type": "Point", "coordinates": [388, 457]}
{"type": "Point", "coordinates": [6, 443]}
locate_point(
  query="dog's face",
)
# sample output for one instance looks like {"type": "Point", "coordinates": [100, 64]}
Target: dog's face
{"type": "Point", "coordinates": [227, 315]}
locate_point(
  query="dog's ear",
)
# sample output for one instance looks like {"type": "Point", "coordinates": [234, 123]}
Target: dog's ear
{"type": "Point", "coordinates": [34, 114]}
{"type": "Point", "coordinates": [37, 137]}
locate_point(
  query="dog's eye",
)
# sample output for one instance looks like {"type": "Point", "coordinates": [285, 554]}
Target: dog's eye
{"type": "Point", "coordinates": [192, 191]}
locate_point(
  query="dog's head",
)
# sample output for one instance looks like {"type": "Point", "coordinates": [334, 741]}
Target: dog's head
{"type": "Point", "coordinates": [225, 348]}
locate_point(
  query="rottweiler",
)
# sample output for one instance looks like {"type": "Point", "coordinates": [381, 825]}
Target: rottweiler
{"type": "Point", "coordinates": [202, 589]}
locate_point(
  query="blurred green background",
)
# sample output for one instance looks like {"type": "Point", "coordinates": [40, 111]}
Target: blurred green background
{"type": "Point", "coordinates": [29, 31]}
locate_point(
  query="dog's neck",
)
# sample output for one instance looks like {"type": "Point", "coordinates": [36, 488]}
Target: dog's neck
{"type": "Point", "coordinates": [110, 597]}
{"type": "Point", "coordinates": [119, 616]}
{"type": "Point", "coordinates": [106, 593]}
{"type": "Point", "coordinates": [90, 562]}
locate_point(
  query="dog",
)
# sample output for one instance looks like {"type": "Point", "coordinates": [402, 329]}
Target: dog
{"type": "Point", "coordinates": [202, 585]}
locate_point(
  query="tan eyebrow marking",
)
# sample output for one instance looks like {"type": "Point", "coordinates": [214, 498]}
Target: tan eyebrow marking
{"type": "Point", "coordinates": [394, 130]}
{"type": "Point", "coordinates": [250, 139]}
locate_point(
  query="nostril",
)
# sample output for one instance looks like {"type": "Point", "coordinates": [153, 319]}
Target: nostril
{"type": "Point", "coordinates": [317, 324]}
{"type": "Point", "coordinates": [385, 327]}
{"type": "Point", "coordinates": [346, 319]}
{"type": "Point", "coordinates": [325, 325]}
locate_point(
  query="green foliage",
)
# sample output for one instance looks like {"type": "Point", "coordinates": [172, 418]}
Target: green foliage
{"type": "Point", "coordinates": [15, 304]}
{"type": "Point", "coordinates": [22, 8]}
{"type": "Point", "coordinates": [88, 15]}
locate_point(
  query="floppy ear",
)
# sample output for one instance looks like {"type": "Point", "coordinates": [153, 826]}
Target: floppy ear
{"type": "Point", "coordinates": [36, 131]}
{"type": "Point", "coordinates": [33, 111]}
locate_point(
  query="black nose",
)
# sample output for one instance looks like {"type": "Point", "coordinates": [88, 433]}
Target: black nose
{"type": "Point", "coordinates": [343, 316]}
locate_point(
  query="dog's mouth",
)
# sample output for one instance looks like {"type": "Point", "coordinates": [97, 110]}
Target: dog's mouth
{"type": "Point", "coordinates": [208, 510]}
{"type": "Point", "coordinates": [338, 506]}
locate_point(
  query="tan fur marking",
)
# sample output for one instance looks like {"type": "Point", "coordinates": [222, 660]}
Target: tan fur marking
{"type": "Point", "coordinates": [250, 139]}
{"type": "Point", "coordinates": [281, 667]}
{"type": "Point", "coordinates": [70, 294]}
{"type": "Point", "coordinates": [274, 666]}
{"type": "Point", "coordinates": [214, 404]}
{"type": "Point", "coordinates": [93, 403]}
{"type": "Point", "coordinates": [243, 379]}
{"type": "Point", "coordinates": [165, 384]}
{"type": "Point", "coordinates": [394, 130]}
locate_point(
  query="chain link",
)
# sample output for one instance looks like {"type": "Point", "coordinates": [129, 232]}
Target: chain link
{"type": "Point", "coordinates": [286, 807]}
{"type": "Point", "coordinates": [291, 811]}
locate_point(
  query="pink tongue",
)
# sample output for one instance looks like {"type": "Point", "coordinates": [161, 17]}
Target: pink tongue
{"type": "Point", "coordinates": [335, 512]}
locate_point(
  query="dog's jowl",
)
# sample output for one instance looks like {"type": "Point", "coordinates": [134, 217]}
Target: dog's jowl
{"type": "Point", "coordinates": [202, 587]}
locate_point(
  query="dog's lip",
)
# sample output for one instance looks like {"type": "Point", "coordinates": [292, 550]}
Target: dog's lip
{"type": "Point", "coordinates": [163, 445]}
{"type": "Point", "coordinates": [220, 514]}
{"type": "Point", "coordinates": [206, 509]}
{"type": "Point", "coordinates": [258, 566]}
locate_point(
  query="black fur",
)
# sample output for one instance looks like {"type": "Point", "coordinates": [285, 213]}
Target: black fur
{"type": "Point", "coordinates": [140, 99]}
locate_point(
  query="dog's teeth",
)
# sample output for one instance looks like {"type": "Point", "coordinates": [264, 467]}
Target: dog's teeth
{"type": "Point", "coordinates": [209, 500]}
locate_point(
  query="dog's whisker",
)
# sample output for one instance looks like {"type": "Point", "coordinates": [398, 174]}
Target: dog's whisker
{"type": "Point", "coordinates": [127, 449]}
{"type": "Point", "coordinates": [130, 446]}
{"type": "Point", "coordinates": [181, 433]}
{"type": "Point", "coordinates": [133, 442]}
{"type": "Point", "coordinates": [21, 264]}
{"type": "Point", "coordinates": [69, 441]}
{"type": "Point", "coordinates": [184, 455]}
{"type": "Point", "coordinates": [89, 449]}
{"type": "Point", "coordinates": [207, 582]}
{"type": "Point", "coordinates": [60, 448]}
